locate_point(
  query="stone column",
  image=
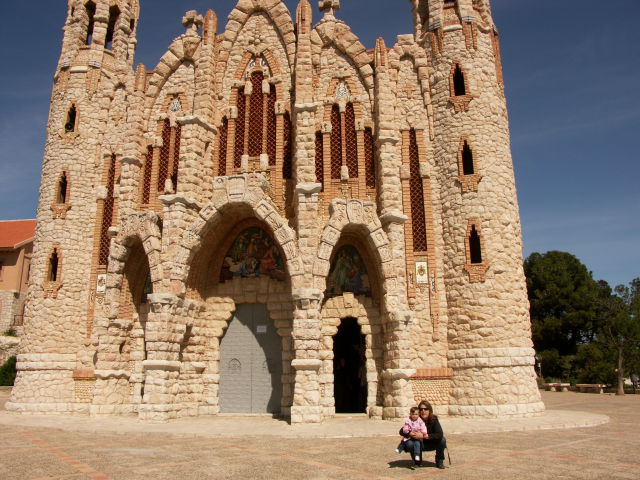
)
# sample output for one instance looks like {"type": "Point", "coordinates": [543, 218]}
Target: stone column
{"type": "Point", "coordinates": [306, 335]}
{"type": "Point", "coordinates": [162, 366]}
{"type": "Point", "coordinates": [398, 395]}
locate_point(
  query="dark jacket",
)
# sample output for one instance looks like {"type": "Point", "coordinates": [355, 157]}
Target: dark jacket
{"type": "Point", "coordinates": [433, 428]}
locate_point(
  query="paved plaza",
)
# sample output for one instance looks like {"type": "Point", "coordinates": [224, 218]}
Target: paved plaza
{"type": "Point", "coordinates": [49, 447]}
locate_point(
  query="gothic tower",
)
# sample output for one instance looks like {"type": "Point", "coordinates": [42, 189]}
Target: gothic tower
{"type": "Point", "coordinates": [489, 335]}
{"type": "Point", "coordinates": [85, 138]}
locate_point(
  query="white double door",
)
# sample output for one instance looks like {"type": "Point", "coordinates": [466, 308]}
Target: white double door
{"type": "Point", "coordinates": [251, 363]}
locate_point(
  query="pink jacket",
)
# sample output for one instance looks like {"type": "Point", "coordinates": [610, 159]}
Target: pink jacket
{"type": "Point", "coordinates": [411, 426]}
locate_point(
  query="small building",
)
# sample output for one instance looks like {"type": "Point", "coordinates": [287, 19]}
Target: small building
{"type": "Point", "coordinates": [16, 247]}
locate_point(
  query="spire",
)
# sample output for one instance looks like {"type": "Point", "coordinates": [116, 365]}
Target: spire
{"type": "Point", "coordinates": [329, 6]}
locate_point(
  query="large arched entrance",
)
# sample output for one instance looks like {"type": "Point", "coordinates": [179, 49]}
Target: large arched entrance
{"type": "Point", "coordinates": [349, 368]}
{"type": "Point", "coordinates": [251, 363]}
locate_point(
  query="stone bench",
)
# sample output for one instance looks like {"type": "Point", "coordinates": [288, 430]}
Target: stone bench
{"type": "Point", "coordinates": [557, 387]}
{"type": "Point", "coordinates": [585, 387]}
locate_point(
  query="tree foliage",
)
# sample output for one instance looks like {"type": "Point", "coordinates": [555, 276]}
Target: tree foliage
{"type": "Point", "coordinates": [582, 329]}
{"type": "Point", "coordinates": [564, 300]}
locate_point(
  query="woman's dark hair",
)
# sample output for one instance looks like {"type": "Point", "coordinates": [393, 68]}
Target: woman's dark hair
{"type": "Point", "coordinates": [424, 404]}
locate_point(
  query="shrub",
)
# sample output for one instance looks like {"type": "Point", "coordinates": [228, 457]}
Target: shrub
{"type": "Point", "coordinates": [8, 372]}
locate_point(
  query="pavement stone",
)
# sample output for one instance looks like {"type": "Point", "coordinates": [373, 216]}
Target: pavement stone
{"type": "Point", "coordinates": [349, 447]}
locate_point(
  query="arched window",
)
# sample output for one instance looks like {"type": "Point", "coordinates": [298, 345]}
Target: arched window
{"type": "Point", "coordinates": [351, 140]}
{"type": "Point", "coordinates": [287, 164]}
{"type": "Point", "coordinates": [223, 135]}
{"type": "Point", "coordinates": [475, 248]}
{"type": "Point", "coordinates": [336, 142]}
{"type": "Point", "coordinates": [107, 213]}
{"type": "Point", "coordinates": [90, 8]}
{"type": "Point", "coordinates": [272, 123]}
{"type": "Point", "coordinates": [54, 266]}
{"type": "Point", "coordinates": [62, 188]}
{"type": "Point", "coordinates": [467, 160]}
{"type": "Point", "coordinates": [459, 85]}
{"type": "Point", "coordinates": [70, 121]}
{"type": "Point", "coordinates": [240, 124]}
{"type": "Point", "coordinates": [369, 160]}
{"type": "Point", "coordinates": [320, 159]}
{"type": "Point", "coordinates": [256, 115]}
{"type": "Point", "coordinates": [416, 190]}
{"type": "Point", "coordinates": [114, 16]}
{"type": "Point", "coordinates": [169, 156]}
{"type": "Point", "coordinates": [146, 176]}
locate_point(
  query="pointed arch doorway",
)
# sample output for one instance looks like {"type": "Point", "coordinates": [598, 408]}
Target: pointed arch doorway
{"type": "Point", "coordinates": [251, 363]}
{"type": "Point", "coordinates": [349, 368]}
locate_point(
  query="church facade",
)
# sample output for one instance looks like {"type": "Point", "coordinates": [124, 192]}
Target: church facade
{"type": "Point", "coordinates": [278, 219]}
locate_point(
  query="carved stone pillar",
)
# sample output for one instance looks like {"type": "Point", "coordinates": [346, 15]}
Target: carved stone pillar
{"type": "Point", "coordinates": [306, 407]}
{"type": "Point", "coordinates": [162, 366]}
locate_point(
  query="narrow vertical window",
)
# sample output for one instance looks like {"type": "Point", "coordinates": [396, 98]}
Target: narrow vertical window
{"type": "Point", "coordinates": [287, 165]}
{"type": "Point", "coordinates": [320, 159]}
{"type": "Point", "coordinates": [369, 160]}
{"type": "Point", "coordinates": [336, 142]}
{"type": "Point", "coordinates": [165, 152]}
{"type": "Point", "coordinates": [475, 249]}
{"type": "Point", "coordinates": [240, 121]}
{"type": "Point", "coordinates": [351, 141]}
{"type": "Point", "coordinates": [467, 160]}
{"type": "Point", "coordinates": [70, 122]}
{"type": "Point", "coordinates": [175, 165]}
{"type": "Point", "coordinates": [271, 125]}
{"type": "Point", "coordinates": [90, 8]}
{"type": "Point", "coordinates": [256, 105]}
{"type": "Point", "coordinates": [54, 261]}
{"type": "Point", "coordinates": [114, 16]}
{"type": "Point", "coordinates": [459, 87]}
{"type": "Point", "coordinates": [146, 176]}
{"type": "Point", "coordinates": [107, 214]}
{"type": "Point", "coordinates": [417, 196]}
{"type": "Point", "coordinates": [62, 188]}
{"type": "Point", "coordinates": [222, 148]}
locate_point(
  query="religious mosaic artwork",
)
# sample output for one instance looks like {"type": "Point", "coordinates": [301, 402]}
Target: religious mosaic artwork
{"type": "Point", "coordinates": [253, 254]}
{"type": "Point", "coordinates": [348, 273]}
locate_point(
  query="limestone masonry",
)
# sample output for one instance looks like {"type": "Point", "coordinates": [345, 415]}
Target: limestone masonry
{"type": "Point", "coordinates": [277, 219]}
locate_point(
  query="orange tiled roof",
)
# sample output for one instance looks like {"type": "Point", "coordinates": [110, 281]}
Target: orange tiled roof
{"type": "Point", "coordinates": [13, 233]}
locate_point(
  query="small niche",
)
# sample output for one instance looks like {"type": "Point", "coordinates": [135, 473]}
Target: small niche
{"type": "Point", "coordinates": [467, 160]}
{"type": "Point", "coordinates": [90, 8]}
{"type": "Point", "coordinates": [62, 188]}
{"type": "Point", "coordinates": [459, 87]}
{"type": "Point", "coordinates": [53, 266]}
{"type": "Point", "coordinates": [114, 16]}
{"type": "Point", "coordinates": [475, 249]}
{"type": "Point", "coordinates": [70, 123]}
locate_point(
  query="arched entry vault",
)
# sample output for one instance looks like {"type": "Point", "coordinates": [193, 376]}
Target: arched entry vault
{"type": "Point", "coordinates": [382, 316]}
{"type": "Point", "coordinates": [240, 211]}
{"type": "Point", "coordinates": [133, 273]}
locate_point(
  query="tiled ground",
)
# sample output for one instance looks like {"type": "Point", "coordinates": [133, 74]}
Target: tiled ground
{"type": "Point", "coordinates": [610, 451]}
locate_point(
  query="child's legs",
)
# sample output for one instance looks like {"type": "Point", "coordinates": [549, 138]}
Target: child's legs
{"type": "Point", "coordinates": [415, 448]}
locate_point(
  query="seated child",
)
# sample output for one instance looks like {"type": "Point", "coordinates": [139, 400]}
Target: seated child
{"type": "Point", "coordinates": [412, 424]}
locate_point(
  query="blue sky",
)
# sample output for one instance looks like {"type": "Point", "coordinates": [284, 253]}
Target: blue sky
{"type": "Point", "coordinates": [572, 71]}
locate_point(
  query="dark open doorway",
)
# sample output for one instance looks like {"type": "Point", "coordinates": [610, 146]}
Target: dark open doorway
{"type": "Point", "coordinates": [349, 368]}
